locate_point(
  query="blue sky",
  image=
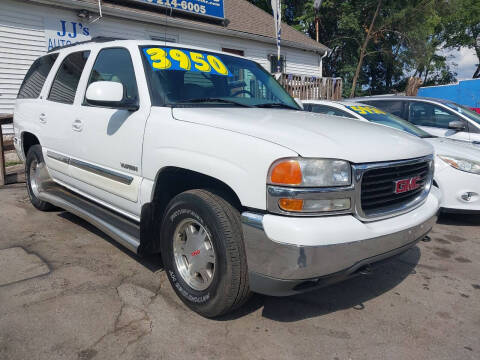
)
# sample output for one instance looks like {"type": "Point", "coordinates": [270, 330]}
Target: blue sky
{"type": "Point", "coordinates": [466, 62]}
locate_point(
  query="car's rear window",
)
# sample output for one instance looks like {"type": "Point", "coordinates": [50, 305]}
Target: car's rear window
{"type": "Point", "coordinates": [64, 86]}
{"type": "Point", "coordinates": [33, 82]}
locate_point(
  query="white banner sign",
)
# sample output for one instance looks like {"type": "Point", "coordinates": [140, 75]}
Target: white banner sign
{"type": "Point", "coordinates": [61, 31]}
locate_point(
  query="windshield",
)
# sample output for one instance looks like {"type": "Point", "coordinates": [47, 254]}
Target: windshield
{"type": "Point", "coordinates": [378, 116]}
{"type": "Point", "coordinates": [472, 115]}
{"type": "Point", "coordinates": [186, 77]}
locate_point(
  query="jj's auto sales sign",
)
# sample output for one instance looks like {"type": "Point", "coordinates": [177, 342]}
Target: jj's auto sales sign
{"type": "Point", "coordinates": [61, 31]}
{"type": "Point", "coordinates": [210, 8]}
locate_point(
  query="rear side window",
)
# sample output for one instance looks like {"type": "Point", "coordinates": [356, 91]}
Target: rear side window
{"type": "Point", "coordinates": [115, 64]}
{"type": "Point", "coordinates": [393, 107]}
{"type": "Point", "coordinates": [33, 83]}
{"type": "Point", "coordinates": [328, 110]}
{"type": "Point", "coordinates": [66, 81]}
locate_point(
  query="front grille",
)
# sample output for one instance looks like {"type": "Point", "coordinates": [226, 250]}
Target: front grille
{"type": "Point", "coordinates": [379, 184]}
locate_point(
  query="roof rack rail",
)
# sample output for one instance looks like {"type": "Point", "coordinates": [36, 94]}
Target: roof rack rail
{"type": "Point", "coordinates": [96, 39]}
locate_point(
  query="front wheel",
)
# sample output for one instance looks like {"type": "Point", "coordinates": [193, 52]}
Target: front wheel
{"type": "Point", "coordinates": [203, 252]}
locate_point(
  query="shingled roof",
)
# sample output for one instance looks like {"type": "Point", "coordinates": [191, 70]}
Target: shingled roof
{"type": "Point", "coordinates": [244, 20]}
{"type": "Point", "coordinates": [248, 18]}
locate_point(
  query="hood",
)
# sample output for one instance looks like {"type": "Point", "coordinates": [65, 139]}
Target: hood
{"type": "Point", "coordinates": [457, 148]}
{"type": "Point", "coordinates": [312, 135]}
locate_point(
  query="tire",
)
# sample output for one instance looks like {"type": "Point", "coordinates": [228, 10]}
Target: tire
{"type": "Point", "coordinates": [35, 172]}
{"type": "Point", "coordinates": [201, 219]}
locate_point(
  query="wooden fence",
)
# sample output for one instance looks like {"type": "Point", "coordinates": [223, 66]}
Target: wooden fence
{"type": "Point", "coordinates": [312, 88]}
{"type": "Point", "coordinates": [7, 177]}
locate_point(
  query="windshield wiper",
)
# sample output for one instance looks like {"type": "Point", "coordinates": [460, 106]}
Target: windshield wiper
{"type": "Point", "coordinates": [280, 105]}
{"type": "Point", "coordinates": [210, 99]}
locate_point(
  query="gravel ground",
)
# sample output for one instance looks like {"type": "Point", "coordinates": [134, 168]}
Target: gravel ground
{"type": "Point", "coordinates": [69, 292]}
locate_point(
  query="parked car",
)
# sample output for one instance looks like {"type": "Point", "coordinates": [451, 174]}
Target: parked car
{"type": "Point", "coordinates": [203, 157]}
{"type": "Point", "coordinates": [438, 117]}
{"type": "Point", "coordinates": [457, 165]}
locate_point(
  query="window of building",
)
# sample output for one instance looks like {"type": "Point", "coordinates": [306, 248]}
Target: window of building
{"type": "Point", "coordinates": [33, 83]}
{"type": "Point", "coordinates": [234, 51]}
{"type": "Point", "coordinates": [274, 63]}
{"type": "Point", "coordinates": [66, 81]}
{"type": "Point", "coordinates": [115, 64]}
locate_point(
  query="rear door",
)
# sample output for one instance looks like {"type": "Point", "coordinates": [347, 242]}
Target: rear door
{"type": "Point", "coordinates": [28, 109]}
{"type": "Point", "coordinates": [107, 141]}
{"type": "Point", "coordinates": [434, 119]}
{"type": "Point", "coordinates": [57, 114]}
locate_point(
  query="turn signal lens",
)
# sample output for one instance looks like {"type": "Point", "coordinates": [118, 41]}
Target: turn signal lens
{"type": "Point", "coordinates": [291, 204]}
{"type": "Point", "coordinates": [287, 172]}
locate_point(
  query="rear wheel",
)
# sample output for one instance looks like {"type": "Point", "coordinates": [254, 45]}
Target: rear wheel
{"type": "Point", "coordinates": [203, 252]}
{"type": "Point", "coordinates": [36, 175]}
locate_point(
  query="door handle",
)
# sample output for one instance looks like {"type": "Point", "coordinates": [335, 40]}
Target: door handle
{"type": "Point", "coordinates": [77, 125]}
{"type": "Point", "coordinates": [43, 118]}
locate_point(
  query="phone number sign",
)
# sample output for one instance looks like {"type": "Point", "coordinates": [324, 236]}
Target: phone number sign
{"type": "Point", "coordinates": [210, 8]}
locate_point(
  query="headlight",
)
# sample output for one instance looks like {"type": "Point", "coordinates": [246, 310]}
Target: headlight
{"type": "Point", "coordinates": [310, 172]}
{"type": "Point", "coordinates": [469, 166]}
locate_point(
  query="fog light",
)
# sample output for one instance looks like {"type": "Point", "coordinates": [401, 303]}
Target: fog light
{"type": "Point", "coordinates": [312, 206]}
{"type": "Point", "coordinates": [326, 205]}
{"type": "Point", "coordinates": [468, 196]}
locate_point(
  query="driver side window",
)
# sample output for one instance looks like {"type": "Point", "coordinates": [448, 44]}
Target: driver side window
{"type": "Point", "coordinates": [115, 64]}
{"type": "Point", "coordinates": [426, 114]}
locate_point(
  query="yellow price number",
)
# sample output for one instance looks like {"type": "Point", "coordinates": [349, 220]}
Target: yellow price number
{"type": "Point", "coordinates": [200, 63]}
{"type": "Point", "coordinates": [182, 60]}
{"type": "Point", "coordinates": [159, 58]}
{"type": "Point", "coordinates": [363, 110]}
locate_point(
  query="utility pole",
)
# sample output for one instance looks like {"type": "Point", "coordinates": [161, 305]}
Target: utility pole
{"type": "Point", "coordinates": [316, 6]}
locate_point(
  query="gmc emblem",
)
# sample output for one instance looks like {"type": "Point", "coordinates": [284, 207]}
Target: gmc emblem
{"type": "Point", "coordinates": [405, 185]}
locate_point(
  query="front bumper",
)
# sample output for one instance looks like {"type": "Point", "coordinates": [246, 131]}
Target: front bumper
{"type": "Point", "coordinates": [454, 186]}
{"type": "Point", "coordinates": [285, 254]}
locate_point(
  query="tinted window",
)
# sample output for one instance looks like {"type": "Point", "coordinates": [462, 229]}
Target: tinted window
{"type": "Point", "coordinates": [115, 65]}
{"type": "Point", "coordinates": [66, 81]}
{"type": "Point", "coordinates": [323, 109]}
{"type": "Point", "coordinates": [426, 114]}
{"type": "Point", "coordinates": [33, 83]}
{"type": "Point", "coordinates": [378, 116]}
{"type": "Point", "coordinates": [393, 107]}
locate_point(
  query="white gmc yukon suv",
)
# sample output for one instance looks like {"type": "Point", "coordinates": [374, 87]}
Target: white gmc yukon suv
{"type": "Point", "coordinates": [204, 158]}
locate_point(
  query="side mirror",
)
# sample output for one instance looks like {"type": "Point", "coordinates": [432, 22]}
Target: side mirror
{"type": "Point", "coordinates": [109, 94]}
{"type": "Point", "coordinates": [456, 125]}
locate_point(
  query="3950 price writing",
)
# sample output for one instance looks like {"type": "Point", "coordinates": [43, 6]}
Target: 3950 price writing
{"type": "Point", "coordinates": [177, 59]}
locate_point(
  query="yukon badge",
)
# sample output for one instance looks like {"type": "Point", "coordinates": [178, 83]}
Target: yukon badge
{"type": "Point", "coordinates": [129, 167]}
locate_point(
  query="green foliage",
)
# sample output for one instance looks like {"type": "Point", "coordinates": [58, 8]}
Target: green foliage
{"type": "Point", "coordinates": [406, 39]}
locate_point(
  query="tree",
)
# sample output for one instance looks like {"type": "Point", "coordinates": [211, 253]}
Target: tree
{"type": "Point", "coordinates": [462, 28]}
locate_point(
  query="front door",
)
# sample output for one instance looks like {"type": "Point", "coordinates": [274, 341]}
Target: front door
{"type": "Point", "coordinates": [107, 157]}
{"type": "Point", "coordinates": [434, 119]}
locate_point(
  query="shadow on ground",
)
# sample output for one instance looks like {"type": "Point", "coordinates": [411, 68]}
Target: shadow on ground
{"type": "Point", "coordinates": [151, 262]}
{"type": "Point", "coordinates": [353, 293]}
{"type": "Point", "coordinates": [459, 219]}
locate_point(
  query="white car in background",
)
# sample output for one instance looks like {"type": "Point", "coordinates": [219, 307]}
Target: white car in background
{"type": "Point", "coordinates": [457, 165]}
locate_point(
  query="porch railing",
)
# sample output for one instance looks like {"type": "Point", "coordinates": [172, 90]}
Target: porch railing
{"type": "Point", "coordinates": [312, 88]}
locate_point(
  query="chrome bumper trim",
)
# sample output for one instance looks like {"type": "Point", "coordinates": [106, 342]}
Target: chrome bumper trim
{"type": "Point", "coordinates": [289, 262]}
